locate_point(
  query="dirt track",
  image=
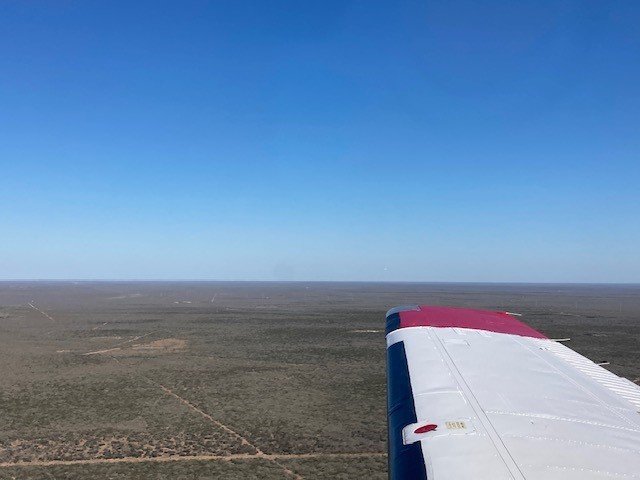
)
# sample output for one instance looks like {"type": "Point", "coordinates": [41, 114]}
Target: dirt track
{"type": "Point", "coordinates": [227, 458]}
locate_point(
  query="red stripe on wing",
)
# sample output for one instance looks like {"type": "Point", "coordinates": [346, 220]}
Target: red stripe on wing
{"type": "Point", "coordinates": [499, 322]}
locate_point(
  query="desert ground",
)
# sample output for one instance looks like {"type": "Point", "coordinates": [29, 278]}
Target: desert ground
{"type": "Point", "coordinates": [238, 380]}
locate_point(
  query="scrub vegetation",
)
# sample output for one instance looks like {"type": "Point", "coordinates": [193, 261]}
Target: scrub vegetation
{"type": "Point", "coordinates": [237, 380]}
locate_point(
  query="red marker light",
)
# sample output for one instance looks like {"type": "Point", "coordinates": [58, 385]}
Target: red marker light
{"type": "Point", "coordinates": [426, 428]}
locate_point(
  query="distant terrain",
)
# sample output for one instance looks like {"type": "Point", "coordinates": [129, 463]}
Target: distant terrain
{"type": "Point", "coordinates": [238, 380]}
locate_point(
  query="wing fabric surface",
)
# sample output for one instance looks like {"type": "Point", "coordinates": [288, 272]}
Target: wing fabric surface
{"type": "Point", "coordinates": [479, 395]}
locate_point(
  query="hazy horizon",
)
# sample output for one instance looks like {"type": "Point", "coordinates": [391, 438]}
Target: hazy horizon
{"type": "Point", "coordinates": [417, 282]}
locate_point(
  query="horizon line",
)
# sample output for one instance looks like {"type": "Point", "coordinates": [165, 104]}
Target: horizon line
{"type": "Point", "coordinates": [186, 280]}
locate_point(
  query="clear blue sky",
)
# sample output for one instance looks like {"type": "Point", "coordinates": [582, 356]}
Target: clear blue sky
{"type": "Point", "coordinates": [320, 140]}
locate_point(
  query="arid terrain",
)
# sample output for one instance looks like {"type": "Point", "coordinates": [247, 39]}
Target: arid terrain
{"type": "Point", "coordinates": [238, 380]}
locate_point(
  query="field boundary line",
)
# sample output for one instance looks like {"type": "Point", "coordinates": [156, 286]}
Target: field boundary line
{"type": "Point", "coordinates": [259, 453]}
{"type": "Point", "coordinates": [190, 405]}
{"type": "Point", "coordinates": [194, 458]}
{"type": "Point", "coordinates": [117, 346]}
{"type": "Point", "coordinates": [43, 313]}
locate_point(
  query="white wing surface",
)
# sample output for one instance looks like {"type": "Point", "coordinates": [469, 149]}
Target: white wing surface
{"type": "Point", "coordinates": [479, 395]}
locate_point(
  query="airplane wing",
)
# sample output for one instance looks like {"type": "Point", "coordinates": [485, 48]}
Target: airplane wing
{"type": "Point", "coordinates": [479, 395]}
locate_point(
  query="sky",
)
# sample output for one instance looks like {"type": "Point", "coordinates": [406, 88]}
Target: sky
{"type": "Point", "coordinates": [405, 140]}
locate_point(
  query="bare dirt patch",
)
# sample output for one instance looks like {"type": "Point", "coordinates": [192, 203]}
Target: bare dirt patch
{"type": "Point", "coordinates": [165, 345]}
{"type": "Point", "coordinates": [104, 338]}
{"type": "Point", "coordinates": [122, 297]}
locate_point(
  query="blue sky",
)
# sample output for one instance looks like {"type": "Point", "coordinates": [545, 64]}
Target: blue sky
{"type": "Point", "coordinates": [320, 140]}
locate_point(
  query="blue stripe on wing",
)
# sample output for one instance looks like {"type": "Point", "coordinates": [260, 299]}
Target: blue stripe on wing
{"type": "Point", "coordinates": [405, 461]}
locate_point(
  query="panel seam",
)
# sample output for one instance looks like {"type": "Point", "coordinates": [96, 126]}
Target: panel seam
{"type": "Point", "coordinates": [499, 445]}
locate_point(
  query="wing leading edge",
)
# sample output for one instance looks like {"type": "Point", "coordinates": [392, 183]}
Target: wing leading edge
{"type": "Point", "coordinates": [475, 394]}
